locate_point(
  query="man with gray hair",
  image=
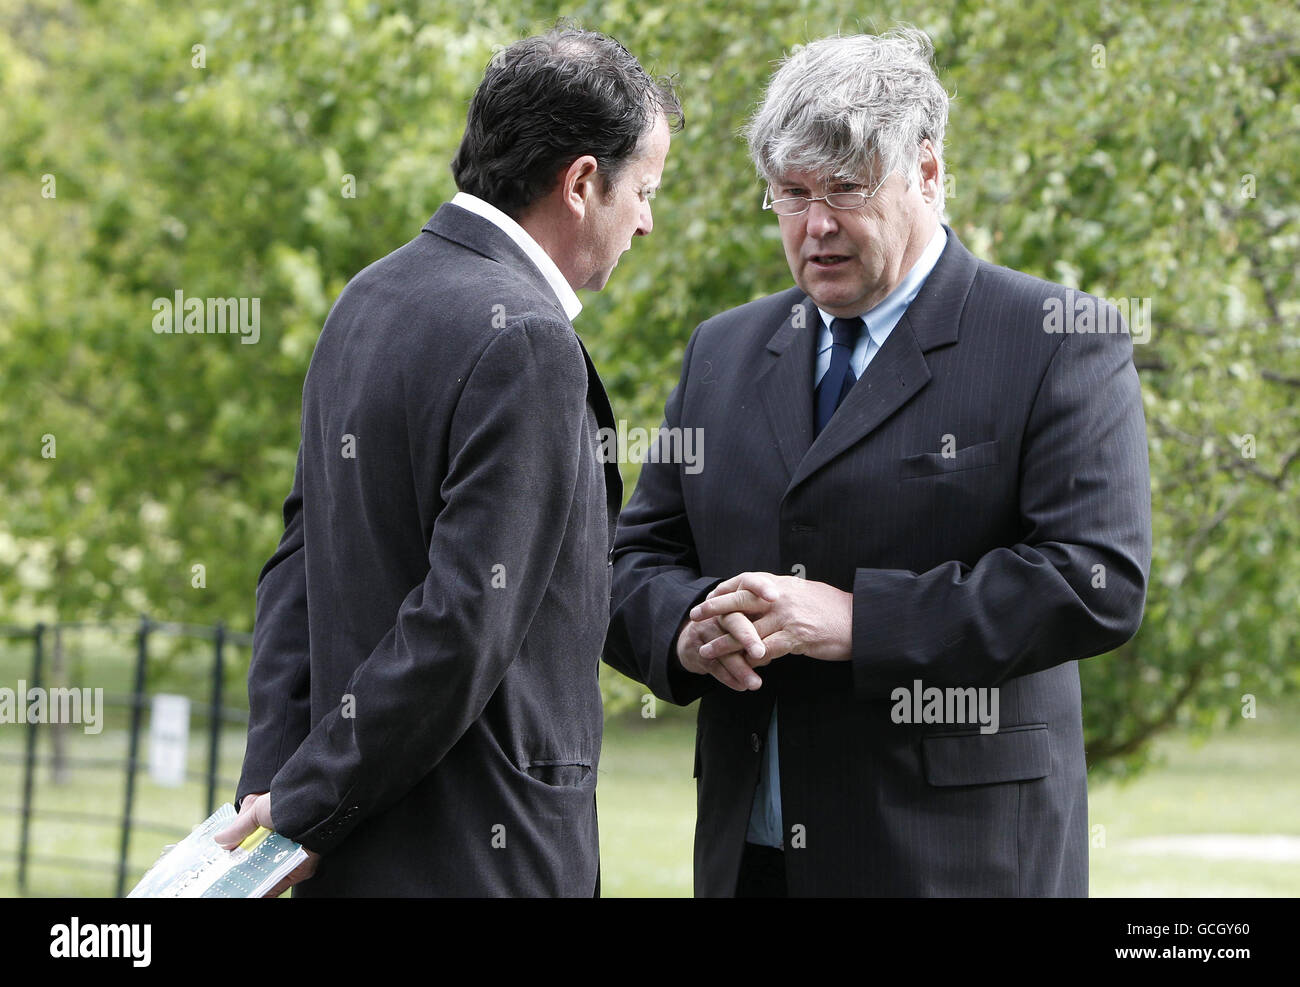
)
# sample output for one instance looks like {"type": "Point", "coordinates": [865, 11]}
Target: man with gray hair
{"type": "Point", "coordinates": [920, 507]}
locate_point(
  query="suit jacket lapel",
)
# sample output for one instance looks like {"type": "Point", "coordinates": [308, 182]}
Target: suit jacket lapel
{"type": "Point", "coordinates": [598, 399]}
{"type": "Point", "coordinates": [896, 373]}
{"type": "Point", "coordinates": [785, 385]}
{"type": "Point", "coordinates": [899, 370]}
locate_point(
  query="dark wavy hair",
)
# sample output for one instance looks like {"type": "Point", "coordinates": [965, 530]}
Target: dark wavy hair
{"type": "Point", "coordinates": [546, 101]}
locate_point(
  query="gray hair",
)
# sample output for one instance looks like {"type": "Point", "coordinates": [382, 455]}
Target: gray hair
{"type": "Point", "coordinates": [847, 107]}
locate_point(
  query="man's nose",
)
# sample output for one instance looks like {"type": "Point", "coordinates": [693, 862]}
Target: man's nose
{"type": "Point", "coordinates": [646, 222]}
{"type": "Point", "coordinates": [821, 220]}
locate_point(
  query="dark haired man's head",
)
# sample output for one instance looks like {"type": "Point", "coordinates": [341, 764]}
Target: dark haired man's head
{"type": "Point", "coordinates": [547, 100]}
{"type": "Point", "coordinates": [568, 134]}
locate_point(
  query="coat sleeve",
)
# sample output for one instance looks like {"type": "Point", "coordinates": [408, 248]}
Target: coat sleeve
{"type": "Point", "coordinates": [1074, 587]}
{"type": "Point", "coordinates": [511, 480]}
{"type": "Point", "coordinates": [279, 694]}
{"type": "Point", "coordinates": [657, 578]}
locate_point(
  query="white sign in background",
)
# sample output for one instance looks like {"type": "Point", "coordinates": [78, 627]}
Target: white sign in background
{"type": "Point", "coordinates": [169, 737]}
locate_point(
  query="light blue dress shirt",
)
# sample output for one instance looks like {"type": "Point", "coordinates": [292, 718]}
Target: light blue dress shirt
{"type": "Point", "coordinates": [765, 816]}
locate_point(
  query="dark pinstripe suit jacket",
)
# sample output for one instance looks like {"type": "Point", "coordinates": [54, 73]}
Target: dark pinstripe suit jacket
{"type": "Point", "coordinates": [1000, 564]}
{"type": "Point", "coordinates": [451, 578]}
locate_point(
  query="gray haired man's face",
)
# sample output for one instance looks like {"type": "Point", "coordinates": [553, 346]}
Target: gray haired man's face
{"type": "Point", "coordinates": [848, 261]}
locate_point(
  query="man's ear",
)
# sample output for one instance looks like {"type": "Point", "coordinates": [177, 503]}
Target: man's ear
{"type": "Point", "coordinates": [929, 169]}
{"type": "Point", "coordinates": [579, 185]}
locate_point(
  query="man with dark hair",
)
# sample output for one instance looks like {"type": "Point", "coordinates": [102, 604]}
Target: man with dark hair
{"type": "Point", "coordinates": [921, 506]}
{"type": "Point", "coordinates": [546, 95]}
{"type": "Point", "coordinates": [424, 710]}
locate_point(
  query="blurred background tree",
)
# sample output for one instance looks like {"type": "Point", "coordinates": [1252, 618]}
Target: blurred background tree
{"type": "Point", "coordinates": [1143, 150]}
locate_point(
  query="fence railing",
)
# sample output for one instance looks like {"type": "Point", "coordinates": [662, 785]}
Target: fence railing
{"type": "Point", "coordinates": [47, 642]}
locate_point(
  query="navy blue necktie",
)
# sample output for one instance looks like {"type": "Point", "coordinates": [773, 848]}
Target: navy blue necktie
{"type": "Point", "coordinates": [835, 383]}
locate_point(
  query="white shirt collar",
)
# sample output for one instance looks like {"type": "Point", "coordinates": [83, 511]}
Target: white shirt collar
{"type": "Point", "coordinates": [540, 258]}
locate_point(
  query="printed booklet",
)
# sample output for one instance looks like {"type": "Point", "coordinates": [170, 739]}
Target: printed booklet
{"type": "Point", "coordinates": [197, 867]}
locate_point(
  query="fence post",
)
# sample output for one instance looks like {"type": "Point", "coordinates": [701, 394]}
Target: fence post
{"type": "Point", "coordinates": [58, 729]}
{"type": "Point", "coordinates": [214, 715]}
{"type": "Point", "coordinates": [137, 713]}
{"type": "Point", "coordinates": [29, 762]}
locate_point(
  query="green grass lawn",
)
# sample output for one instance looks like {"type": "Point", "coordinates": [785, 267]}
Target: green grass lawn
{"type": "Point", "coordinates": [646, 799]}
{"type": "Point", "coordinates": [1244, 781]}
{"type": "Point", "coordinates": [1241, 782]}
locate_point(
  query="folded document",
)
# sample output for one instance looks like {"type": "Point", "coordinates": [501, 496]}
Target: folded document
{"type": "Point", "coordinates": [197, 867]}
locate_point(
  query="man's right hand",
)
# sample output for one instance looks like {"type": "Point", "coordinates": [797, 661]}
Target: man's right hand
{"type": "Point", "coordinates": [735, 670]}
{"type": "Point", "coordinates": [254, 811]}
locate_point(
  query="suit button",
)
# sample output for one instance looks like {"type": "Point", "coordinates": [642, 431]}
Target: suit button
{"type": "Point", "coordinates": [754, 742]}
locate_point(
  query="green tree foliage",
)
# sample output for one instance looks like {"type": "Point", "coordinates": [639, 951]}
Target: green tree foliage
{"type": "Point", "coordinates": [1135, 150]}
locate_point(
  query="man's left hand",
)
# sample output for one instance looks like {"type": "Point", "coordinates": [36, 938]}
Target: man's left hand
{"type": "Point", "coordinates": [793, 616]}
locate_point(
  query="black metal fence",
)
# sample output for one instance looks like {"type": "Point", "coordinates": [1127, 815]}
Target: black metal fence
{"type": "Point", "coordinates": [140, 659]}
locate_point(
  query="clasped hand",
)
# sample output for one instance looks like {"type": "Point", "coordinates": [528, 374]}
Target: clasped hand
{"type": "Point", "coordinates": [756, 617]}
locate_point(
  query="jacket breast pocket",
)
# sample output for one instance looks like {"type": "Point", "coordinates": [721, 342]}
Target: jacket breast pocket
{"type": "Point", "coordinates": [937, 464]}
{"type": "Point", "coordinates": [1015, 753]}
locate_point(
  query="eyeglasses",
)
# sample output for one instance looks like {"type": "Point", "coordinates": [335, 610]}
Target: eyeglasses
{"type": "Point", "coordinates": [796, 205]}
